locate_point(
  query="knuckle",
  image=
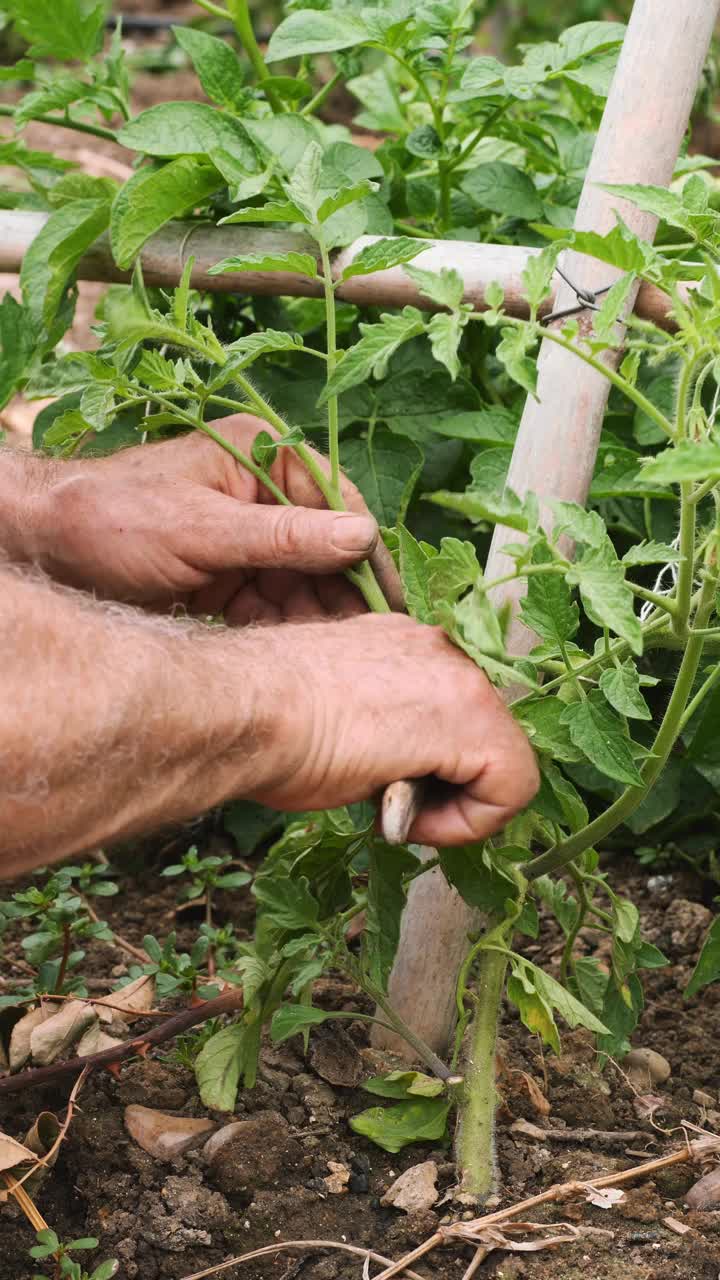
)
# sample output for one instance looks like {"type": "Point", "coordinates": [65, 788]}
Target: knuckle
{"type": "Point", "coordinates": [290, 534]}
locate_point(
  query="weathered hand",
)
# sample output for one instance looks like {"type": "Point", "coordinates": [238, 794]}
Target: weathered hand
{"type": "Point", "coordinates": [373, 699]}
{"type": "Point", "coordinates": [182, 522]}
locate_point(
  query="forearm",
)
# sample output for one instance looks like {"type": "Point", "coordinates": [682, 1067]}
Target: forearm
{"type": "Point", "coordinates": [114, 723]}
{"type": "Point", "coordinates": [24, 480]}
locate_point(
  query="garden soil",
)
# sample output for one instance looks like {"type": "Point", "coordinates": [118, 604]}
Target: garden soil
{"type": "Point", "coordinates": [296, 1170]}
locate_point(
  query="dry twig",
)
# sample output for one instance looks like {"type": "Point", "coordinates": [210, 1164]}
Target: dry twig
{"type": "Point", "coordinates": [306, 1246]}
{"type": "Point", "coordinates": [476, 1228]}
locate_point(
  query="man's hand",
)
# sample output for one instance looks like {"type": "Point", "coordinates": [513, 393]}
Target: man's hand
{"type": "Point", "coordinates": [182, 522]}
{"type": "Point", "coordinates": [115, 723]}
{"type": "Point", "coordinates": [374, 699]}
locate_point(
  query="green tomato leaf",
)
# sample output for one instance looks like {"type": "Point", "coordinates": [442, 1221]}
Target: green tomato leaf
{"type": "Point", "coordinates": [621, 686]}
{"type": "Point", "coordinates": [55, 252]}
{"type": "Point", "coordinates": [548, 608]}
{"type": "Point", "coordinates": [386, 900]}
{"type": "Point", "coordinates": [445, 287]}
{"type": "Point", "coordinates": [371, 354]}
{"type": "Point", "coordinates": [386, 470]}
{"type": "Point", "coordinates": [651, 553]}
{"type": "Point", "coordinates": [626, 918]}
{"type": "Point", "coordinates": [414, 560]}
{"type": "Point", "coordinates": [707, 968]}
{"type": "Point", "coordinates": [393, 1128]}
{"type": "Point", "coordinates": [499, 187]}
{"type": "Point", "coordinates": [288, 903]}
{"type": "Point", "coordinates": [607, 598]}
{"type": "Point", "coordinates": [183, 129]}
{"type": "Point", "coordinates": [273, 211]}
{"type": "Point", "coordinates": [600, 734]}
{"type": "Point", "coordinates": [218, 1067]}
{"type": "Point", "coordinates": [383, 254]}
{"type": "Point", "coordinates": [580, 525]}
{"type": "Point", "coordinates": [302, 264]}
{"type": "Point", "coordinates": [290, 1019]}
{"type": "Point", "coordinates": [477, 872]}
{"type": "Point", "coordinates": [686, 461]}
{"type": "Point", "coordinates": [514, 352]}
{"type": "Point", "coordinates": [404, 1084]}
{"type": "Point", "coordinates": [542, 720]}
{"type": "Point", "coordinates": [535, 1012]}
{"type": "Point", "coordinates": [656, 200]}
{"type": "Point", "coordinates": [218, 68]}
{"type": "Point", "coordinates": [348, 195]}
{"type": "Point", "coordinates": [17, 345]}
{"type": "Point", "coordinates": [314, 31]}
{"type": "Point", "coordinates": [64, 30]}
{"type": "Point", "coordinates": [445, 332]}
{"type": "Point", "coordinates": [559, 998]}
{"type": "Point", "coordinates": [452, 571]}
{"type": "Point", "coordinates": [152, 197]}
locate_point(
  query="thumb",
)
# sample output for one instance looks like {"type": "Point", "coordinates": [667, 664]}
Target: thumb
{"type": "Point", "coordinates": [255, 536]}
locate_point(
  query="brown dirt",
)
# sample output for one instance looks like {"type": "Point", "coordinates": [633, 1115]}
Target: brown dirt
{"type": "Point", "coordinates": [171, 1219]}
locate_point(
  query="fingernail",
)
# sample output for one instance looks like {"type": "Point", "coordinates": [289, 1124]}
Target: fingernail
{"type": "Point", "coordinates": [354, 533]}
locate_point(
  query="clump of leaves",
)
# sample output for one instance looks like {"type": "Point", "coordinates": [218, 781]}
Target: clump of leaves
{"type": "Point", "coordinates": [54, 1253]}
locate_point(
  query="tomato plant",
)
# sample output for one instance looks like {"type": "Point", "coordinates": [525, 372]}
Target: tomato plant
{"type": "Point", "coordinates": [420, 407]}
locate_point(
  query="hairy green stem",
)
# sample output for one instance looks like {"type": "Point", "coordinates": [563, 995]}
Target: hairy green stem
{"type": "Point", "coordinates": [333, 418]}
{"type": "Point", "coordinates": [423, 1051]}
{"type": "Point", "coordinates": [686, 566]}
{"type": "Point", "coordinates": [64, 122]}
{"type": "Point", "coordinates": [705, 688]}
{"type": "Point", "coordinates": [615, 378]}
{"type": "Point", "coordinates": [323, 92]}
{"type": "Point", "coordinates": [242, 22]}
{"type": "Point", "coordinates": [245, 461]}
{"type": "Point", "coordinates": [215, 9]}
{"type": "Point", "coordinates": [475, 1137]}
{"type": "Point", "coordinates": [705, 488]}
{"type": "Point", "coordinates": [584, 905]}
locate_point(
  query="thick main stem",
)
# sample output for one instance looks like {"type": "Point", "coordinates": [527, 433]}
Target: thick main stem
{"type": "Point", "coordinates": [333, 418]}
{"type": "Point", "coordinates": [475, 1137]}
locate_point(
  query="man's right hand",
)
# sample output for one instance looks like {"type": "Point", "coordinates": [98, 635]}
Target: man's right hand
{"type": "Point", "coordinates": [374, 699]}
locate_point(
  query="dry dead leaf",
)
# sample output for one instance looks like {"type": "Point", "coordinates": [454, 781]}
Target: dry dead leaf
{"type": "Point", "coordinates": [605, 1197]}
{"type": "Point", "coordinates": [53, 1038]}
{"type": "Point", "coordinates": [338, 1178]}
{"type": "Point", "coordinates": [415, 1190]}
{"type": "Point", "coordinates": [41, 1139]}
{"type": "Point", "coordinates": [95, 1040]}
{"type": "Point", "coordinates": [646, 1104]}
{"type": "Point", "coordinates": [162, 1135]}
{"type": "Point", "coordinates": [20, 1036]}
{"type": "Point", "coordinates": [537, 1097]}
{"type": "Point", "coordinates": [129, 1002]}
{"type": "Point", "coordinates": [13, 1153]}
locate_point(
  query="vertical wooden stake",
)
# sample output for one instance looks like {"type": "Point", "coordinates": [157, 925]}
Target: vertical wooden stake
{"type": "Point", "coordinates": [639, 140]}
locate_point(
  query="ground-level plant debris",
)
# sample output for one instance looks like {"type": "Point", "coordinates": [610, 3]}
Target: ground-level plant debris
{"type": "Point", "coordinates": [420, 406]}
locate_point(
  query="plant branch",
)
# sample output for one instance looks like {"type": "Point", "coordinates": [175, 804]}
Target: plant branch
{"type": "Point", "coordinates": [612, 375]}
{"type": "Point", "coordinates": [240, 14]}
{"type": "Point", "coordinates": [65, 122]}
{"type": "Point", "coordinates": [228, 1002]}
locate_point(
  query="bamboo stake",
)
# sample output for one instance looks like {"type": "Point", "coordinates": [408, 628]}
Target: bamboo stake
{"type": "Point", "coordinates": [166, 253]}
{"type": "Point", "coordinates": [645, 119]}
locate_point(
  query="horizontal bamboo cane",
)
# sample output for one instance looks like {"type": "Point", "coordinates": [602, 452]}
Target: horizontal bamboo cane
{"type": "Point", "coordinates": [166, 253]}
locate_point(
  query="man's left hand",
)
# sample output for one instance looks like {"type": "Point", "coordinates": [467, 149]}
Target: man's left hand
{"type": "Point", "coordinates": [182, 522]}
